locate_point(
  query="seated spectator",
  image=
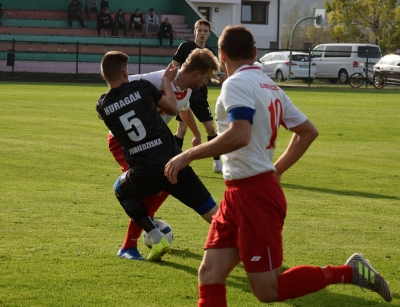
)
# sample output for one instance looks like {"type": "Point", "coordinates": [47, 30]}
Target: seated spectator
{"type": "Point", "coordinates": [104, 21]}
{"type": "Point", "coordinates": [136, 23]}
{"type": "Point", "coordinates": [75, 12]}
{"type": "Point", "coordinates": [104, 4]}
{"type": "Point", "coordinates": [165, 32]}
{"type": "Point", "coordinates": [119, 22]}
{"type": "Point", "coordinates": [91, 5]}
{"type": "Point", "coordinates": [1, 15]}
{"type": "Point", "coordinates": [152, 22]}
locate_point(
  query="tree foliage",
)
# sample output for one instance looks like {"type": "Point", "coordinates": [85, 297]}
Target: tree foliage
{"type": "Point", "coordinates": [365, 21]}
{"type": "Point", "coordinates": [305, 32]}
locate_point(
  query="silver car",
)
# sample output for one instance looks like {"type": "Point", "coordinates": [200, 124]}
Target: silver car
{"type": "Point", "coordinates": [276, 65]}
{"type": "Point", "coordinates": [389, 65]}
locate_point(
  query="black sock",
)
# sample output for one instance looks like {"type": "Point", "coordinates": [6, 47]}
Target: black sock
{"type": "Point", "coordinates": [179, 141]}
{"type": "Point", "coordinates": [209, 138]}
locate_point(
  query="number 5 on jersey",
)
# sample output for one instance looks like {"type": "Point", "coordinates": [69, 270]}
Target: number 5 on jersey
{"type": "Point", "coordinates": [133, 126]}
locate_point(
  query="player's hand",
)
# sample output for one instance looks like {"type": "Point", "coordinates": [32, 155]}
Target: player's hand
{"type": "Point", "coordinates": [196, 141]}
{"type": "Point", "coordinates": [170, 72]}
{"type": "Point", "coordinates": [174, 165]}
{"type": "Point", "coordinates": [222, 78]}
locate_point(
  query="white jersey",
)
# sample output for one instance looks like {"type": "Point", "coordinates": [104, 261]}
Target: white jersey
{"type": "Point", "coordinates": [250, 88]}
{"type": "Point", "coordinates": [182, 96]}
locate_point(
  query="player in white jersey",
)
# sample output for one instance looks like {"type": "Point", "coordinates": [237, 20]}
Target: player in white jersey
{"type": "Point", "coordinates": [190, 77]}
{"type": "Point", "coordinates": [248, 225]}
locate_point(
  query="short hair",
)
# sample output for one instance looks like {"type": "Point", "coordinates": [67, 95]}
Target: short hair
{"type": "Point", "coordinates": [113, 63]}
{"type": "Point", "coordinates": [151, 10]}
{"type": "Point", "coordinates": [237, 42]}
{"type": "Point", "coordinates": [202, 22]}
{"type": "Point", "coordinates": [202, 60]}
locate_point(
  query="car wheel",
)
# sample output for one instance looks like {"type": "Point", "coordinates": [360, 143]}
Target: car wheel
{"type": "Point", "coordinates": [333, 81]}
{"type": "Point", "coordinates": [279, 76]}
{"type": "Point", "coordinates": [343, 77]}
{"type": "Point", "coordinates": [308, 80]}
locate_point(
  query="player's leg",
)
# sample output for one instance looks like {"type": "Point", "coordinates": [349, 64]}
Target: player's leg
{"type": "Point", "coordinates": [192, 192]}
{"type": "Point", "coordinates": [214, 269]}
{"type": "Point", "coordinates": [135, 209]}
{"type": "Point", "coordinates": [117, 152]}
{"type": "Point", "coordinates": [220, 257]}
{"type": "Point", "coordinates": [180, 131]}
{"type": "Point", "coordinates": [202, 111]}
{"type": "Point", "coordinates": [129, 249]}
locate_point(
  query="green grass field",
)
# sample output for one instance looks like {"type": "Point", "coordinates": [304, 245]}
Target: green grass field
{"type": "Point", "coordinates": [61, 226]}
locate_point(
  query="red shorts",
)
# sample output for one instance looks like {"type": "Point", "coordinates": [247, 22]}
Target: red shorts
{"type": "Point", "coordinates": [250, 218]}
{"type": "Point", "coordinates": [116, 150]}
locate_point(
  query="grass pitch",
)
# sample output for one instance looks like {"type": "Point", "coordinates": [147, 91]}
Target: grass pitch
{"type": "Point", "coordinates": [61, 226]}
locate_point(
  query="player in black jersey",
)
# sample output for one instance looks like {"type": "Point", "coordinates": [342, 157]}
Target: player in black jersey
{"type": "Point", "coordinates": [198, 101]}
{"type": "Point", "coordinates": [129, 110]}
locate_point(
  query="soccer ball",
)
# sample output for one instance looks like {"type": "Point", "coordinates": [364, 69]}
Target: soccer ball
{"type": "Point", "coordinates": [165, 229]}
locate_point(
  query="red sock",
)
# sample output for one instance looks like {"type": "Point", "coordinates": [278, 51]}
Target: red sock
{"type": "Point", "coordinates": [302, 280]}
{"type": "Point", "coordinates": [152, 204]}
{"type": "Point", "coordinates": [212, 296]}
{"type": "Point", "coordinates": [132, 235]}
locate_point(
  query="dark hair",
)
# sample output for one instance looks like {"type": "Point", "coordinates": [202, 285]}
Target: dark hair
{"type": "Point", "coordinates": [151, 10]}
{"type": "Point", "coordinates": [202, 22]}
{"type": "Point", "coordinates": [113, 63]}
{"type": "Point", "coordinates": [237, 42]}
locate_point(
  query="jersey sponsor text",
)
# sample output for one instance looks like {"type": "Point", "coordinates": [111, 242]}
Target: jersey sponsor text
{"type": "Point", "coordinates": [145, 146]}
{"type": "Point", "coordinates": [122, 103]}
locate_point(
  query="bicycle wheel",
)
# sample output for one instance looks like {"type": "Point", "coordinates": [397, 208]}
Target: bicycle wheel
{"type": "Point", "coordinates": [379, 80]}
{"type": "Point", "coordinates": [356, 80]}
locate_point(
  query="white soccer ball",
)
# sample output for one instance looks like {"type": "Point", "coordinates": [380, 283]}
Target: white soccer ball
{"type": "Point", "coordinates": [165, 229]}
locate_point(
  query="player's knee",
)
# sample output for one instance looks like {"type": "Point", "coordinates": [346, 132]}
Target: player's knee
{"type": "Point", "coordinates": [265, 296]}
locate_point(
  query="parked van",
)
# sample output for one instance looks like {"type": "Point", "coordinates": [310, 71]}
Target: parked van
{"type": "Point", "coordinates": [339, 61]}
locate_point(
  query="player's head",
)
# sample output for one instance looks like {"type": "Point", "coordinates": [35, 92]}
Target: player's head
{"type": "Point", "coordinates": [201, 64]}
{"type": "Point", "coordinates": [237, 42]}
{"type": "Point", "coordinates": [114, 66]}
{"type": "Point", "coordinates": [201, 31]}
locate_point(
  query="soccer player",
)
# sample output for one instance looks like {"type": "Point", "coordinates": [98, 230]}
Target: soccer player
{"type": "Point", "coordinates": [189, 77]}
{"type": "Point", "coordinates": [198, 100]}
{"type": "Point", "coordinates": [248, 226]}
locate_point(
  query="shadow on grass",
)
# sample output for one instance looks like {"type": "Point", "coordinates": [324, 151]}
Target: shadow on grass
{"type": "Point", "coordinates": [338, 192]}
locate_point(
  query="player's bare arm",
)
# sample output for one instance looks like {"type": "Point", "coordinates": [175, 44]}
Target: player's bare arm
{"type": "Point", "coordinates": [237, 136]}
{"type": "Point", "coordinates": [188, 118]}
{"type": "Point", "coordinates": [303, 135]}
{"type": "Point", "coordinates": [168, 102]}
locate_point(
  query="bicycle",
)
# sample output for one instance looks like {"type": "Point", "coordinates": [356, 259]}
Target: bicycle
{"type": "Point", "coordinates": [377, 78]}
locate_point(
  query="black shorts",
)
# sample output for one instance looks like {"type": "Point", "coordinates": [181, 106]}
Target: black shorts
{"type": "Point", "coordinates": [200, 109]}
{"type": "Point", "coordinates": [189, 189]}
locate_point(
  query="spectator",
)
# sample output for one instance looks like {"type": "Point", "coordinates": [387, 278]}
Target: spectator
{"type": "Point", "coordinates": [119, 22]}
{"type": "Point", "coordinates": [75, 12]}
{"type": "Point", "coordinates": [91, 5]}
{"type": "Point", "coordinates": [165, 32]}
{"type": "Point", "coordinates": [152, 22]}
{"type": "Point", "coordinates": [104, 4]}
{"type": "Point", "coordinates": [104, 21]}
{"type": "Point", "coordinates": [136, 23]}
{"type": "Point", "coordinates": [1, 15]}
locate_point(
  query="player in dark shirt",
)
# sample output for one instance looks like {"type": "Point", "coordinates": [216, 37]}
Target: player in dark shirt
{"type": "Point", "coordinates": [198, 100]}
{"type": "Point", "coordinates": [129, 110]}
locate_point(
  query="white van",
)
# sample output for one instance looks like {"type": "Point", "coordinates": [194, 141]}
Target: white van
{"type": "Point", "coordinates": [339, 61]}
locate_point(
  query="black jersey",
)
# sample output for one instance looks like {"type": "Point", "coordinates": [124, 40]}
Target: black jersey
{"type": "Point", "coordinates": [130, 113]}
{"type": "Point", "coordinates": [184, 50]}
